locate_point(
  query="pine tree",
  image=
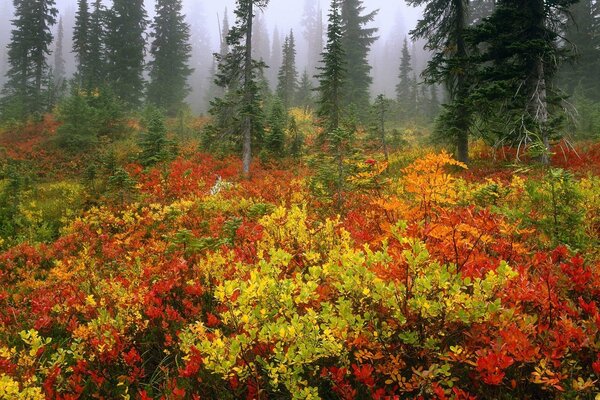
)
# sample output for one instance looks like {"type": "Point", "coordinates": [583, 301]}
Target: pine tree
{"type": "Point", "coordinates": [521, 57]}
{"type": "Point", "coordinates": [479, 10]}
{"type": "Point", "coordinates": [333, 72]}
{"type": "Point", "coordinates": [261, 46]}
{"type": "Point", "coordinates": [443, 25]}
{"type": "Point", "coordinates": [275, 140]}
{"type": "Point", "coordinates": [583, 33]}
{"type": "Point", "coordinates": [275, 59]}
{"type": "Point", "coordinates": [239, 110]}
{"type": "Point", "coordinates": [27, 52]}
{"type": "Point", "coordinates": [171, 50]}
{"type": "Point", "coordinates": [304, 95]}
{"type": "Point", "coordinates": [95, 75]}
{"type": "Point", "coordinates": [59, 61]}
{"type": "Point", "coordinates": [155, 145]}
{"type": "Point", "coordinates": [312, 23]}
{"type": "Point", "coordinates": [288, 75]}
{"type": "Point", "coordinates": [356, 42]}
{"type": "Point", "coordinates": [125, 46]}
{"type": "Point", "coordinates": [404, 84]}
{"type": "Point", "coordinates": [81, 41]}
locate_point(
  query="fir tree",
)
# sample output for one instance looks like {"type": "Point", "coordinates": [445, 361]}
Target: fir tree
{"type": "Point", "coordinates": [381, 108]}
{"type": "Point", "coordinates": [95, 74]}
{"type": "Point", "coordinates": [125, 46]}
{"type": "Point", "coordinates": [297, 139]}
{"type": "Point", "coordinates": [288, 75]}
{"type": "Point", "coordinates": [59, 61]}
{"type": "Point", "coordinates": [403, 87]}
{"type": "Point", "coordinates": [356, 42]}
{"type": "Point", "coordinates": [81, 41]}
{"type": "Point", "coordinates": [155, 145]}
{"type": "Point", "coordinates": [261, 46]}
{"type": "Point", "coordinates": [239, 110]}
{"type": "Point", "coordinates": [521, 57]}
{"type": "Point", "coordinates": [333, 72]}
{"type": "Point", "coordinates": [583, 33]}
{"type": "Point", "coordinates": [275, 140]}
{"type": "Point", "coordinates": [275, 59]}
{"type": "Point", "coordinates": [304, 96]}
{"type": "Point", "coordinates": [171, 50]}
{"type": "Point", "coordinates": [312, 23]}
{"type": "Point", "coordinates": [28, 70]}
{"type": "Point", "coordinates": [443, 25]}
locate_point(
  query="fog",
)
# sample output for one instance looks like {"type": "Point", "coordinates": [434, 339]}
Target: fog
{"type": "Point", "coordinates": [394, 20]}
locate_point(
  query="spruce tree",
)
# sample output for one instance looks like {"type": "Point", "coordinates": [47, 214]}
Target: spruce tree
{"type": "Point", "coordinates": [59, 60]}
{"type": "Point", "coordinates": [443, 26]}
{"type": "Point", "coordinates": [304, 95]}
{"type": "Point", "coordinates": [125, 46]}
{"type": "Point", "coordinates": [288, 75]}
{"type": "Point", "coordinates": [333, 72]}
{"type": "Point", "coordinates": [95, 73]}
{"type": "Point", "coordinates": [403, 87]}
{"type": "Point", "coordinates": [275, 59]}
{"type": "Point", "coordinates": [239, 110]}
{"type": "Point", "coordinates": [520, 58]}
{"type": "Point", "coordinates": [275, 140]}
{"type": "Point", "coordinates": [81, 41]}
{"type": "Point", "coordinates": [171, 50]}
{"type": "Point", "coordinates": [583, 33]}
{"type": "Point", "coordinates": [27, 51]}
{"type": "Point", "coordinates": [154, 144]}
{"type": "Point", "coordinates": [356, 42]}
{"type": "Point", "coordinates": [312, 23]}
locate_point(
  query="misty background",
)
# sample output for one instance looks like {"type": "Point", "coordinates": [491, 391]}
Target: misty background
{"type": "Point", "coordinates": [394, 20]}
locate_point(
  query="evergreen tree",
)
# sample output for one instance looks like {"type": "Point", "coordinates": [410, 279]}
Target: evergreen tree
{"type": "Point", "coordinates": [28, 71]}
{"type": "Point", "coordinates": [125, 46]}
{"type": "Point", "coordinates": [479, 10]}
{"type": "Point", "coordinates": [275, 59]}
{"type": "Point", "coordinates": [333, 72]}
{"type": "Point", "coordinates": [356, 42]}
{"type": "Point", "coordinates": [312, 23]}
{"type": "Point", "coordinates": [95, 75]}
{"type": "Point", "coordinates": [59, 61]}
{"type": "Point", "coordinates": [275, 140]}
{"type": "Point", "coordinates": [155, 145]}
{"type": "Point", "coordinates": [583, 33]}
{"type": "Point", "coordinates": [261, 46]}
{"type": "Point", "coordinates": [288, 75]}
{"type": "Point", "coordinates": [171, 50]}
{"type": "Point", "coordinates": [239, 110]}
{"type": "Point", "coordinates": [215, 90]}
{"type": "Point", "coordinates": [304, 96]}
{"type": "Point", "coordinates": [297, 139]}
{"type": "Point", "coordinates": [81, 41]}
{"type": "Point", "coordinates": [521, 56]}
{"type": "Point", "coordinates": [380, 109]}
{"type": "Point", "coordinates": [403, 88]}
{"type": "Point", "coordinates": [443, 25]}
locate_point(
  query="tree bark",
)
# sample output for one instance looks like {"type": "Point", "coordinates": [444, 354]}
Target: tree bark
{"type": "Point", "coordinates": [538, 105]}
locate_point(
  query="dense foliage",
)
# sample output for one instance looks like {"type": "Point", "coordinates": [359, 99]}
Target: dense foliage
{"type": "Point", "coordinates": [177, 278]}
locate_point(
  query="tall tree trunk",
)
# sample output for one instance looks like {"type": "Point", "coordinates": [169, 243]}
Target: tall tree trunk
{"type": "Point", "coordinates": [247, 126]}
{"type": "Point", "coordinates": [538, 106]}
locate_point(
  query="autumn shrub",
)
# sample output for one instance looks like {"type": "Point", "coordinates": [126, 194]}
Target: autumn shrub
{"type": "Point", "coordinates": [198, 284]}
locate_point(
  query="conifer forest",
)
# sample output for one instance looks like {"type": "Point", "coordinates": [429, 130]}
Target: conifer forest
{"type": "Point", "coordinates": [300, 199]}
